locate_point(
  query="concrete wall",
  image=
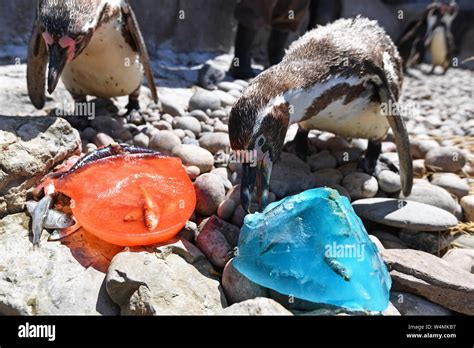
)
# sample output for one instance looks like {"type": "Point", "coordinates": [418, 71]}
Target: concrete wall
{"type": "Point", "coordinates": [208, 25]}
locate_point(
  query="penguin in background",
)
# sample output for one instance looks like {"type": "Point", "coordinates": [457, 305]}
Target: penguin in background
{"type": "Point", "coordinates": [94, 46]}
{"type": "Point", "coordinates": [431, 33]}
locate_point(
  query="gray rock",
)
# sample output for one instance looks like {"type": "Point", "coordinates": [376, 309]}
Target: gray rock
{"type": "Point", "coordinates": [219, 114]}
{"type": "Point", "coordinates": [326, 177]}
{"type": "Point", "coordinates": [167, 279]}
{"type": "Point", "coordinates": [225, 98]}
{"type": "Point", "coordinates": [389, 240]}
{"type": "Point", "coordinates": [420, 147]}
{"type": "Point", "coordinates": [404, 214]}
{"type": "Point", "coordinates": [89, 134]}
{"type": "Point", "coordinates": [194, 156]}
{"type": "Point", "coordinates": [322, 160]}
{"type": "Point", "coordinates": [348, 168]}
{"type": "Point", "coordinates": [193, 172]}
{"type": "Point", "coordinates": [431, 243]}
{"type": "Point", "coordinates": [435, 279]}
{"type": "Point", "coordinates": [199, 115]}
{"type": "Point", "coordinates": [187, 123]}
{"type": "Point", "coordinates": [467, 203]}
{"type": "Point", "coordinates": [451, 183]}
{"type": "Point", "coordinates": [141, 140]}
{"type": "Point", "coordinates": [214, 142]}
{"type": "Point", "coordinates": [210, 192]}
{"type": "Point", "coordinates": [217, 240]}
{"type": "Point", "coordinates": [64, 278]}
{"type": "Point", "coordinates": [226, 209]}
{"type": "Point", "coordinates": [360, 185]}
{"type": "Point", "coordinates": [162, 125]}
{"type": "Point", "coordinates": [445, 159]}
{"type": "Point", "coordinates": [171, 107]}
{"type": "Point", "coordinates": [463, 241]}
{"type": "Point", "coordinates": [164, 141]}
{"type": "Point", "coordinates": [424, 192]}
{"type": "Point", "coordinates": [461, 259]}
{"type": "Point", "coordinates": [238, 216]}
{"type": "Point", "coordinates": [29, 149]}
{"type": "Point", "coordinates": [189, 232]}
{"type": "Point", "coordinates": [389, 181]}
{"type": "Point", "coordinates": [257, 306]}
{"type": "Point", "coordinates": [227, 86]}
{"type": "Point", "coordinates": [239, 288]}
{"type": "Point", "coordinates": [409, 304]}
{"type": "Point", "coordinates": [203, 100]}
{"type": "Point", "coordinates": [290, 175]}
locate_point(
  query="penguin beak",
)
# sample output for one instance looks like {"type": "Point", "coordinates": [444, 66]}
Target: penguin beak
{"type": "Point", "coordinates": [57, 62]}
{"type": "Point", "coordinates": [255, 174]}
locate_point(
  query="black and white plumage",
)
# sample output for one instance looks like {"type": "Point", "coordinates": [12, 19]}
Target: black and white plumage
{"type": "Point", "coordinates": [95, 46]}
{"type": "Point", "coordinates": [340, 78]}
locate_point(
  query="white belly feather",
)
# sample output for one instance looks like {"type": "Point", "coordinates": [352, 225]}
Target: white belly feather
{"type": "Point", "coordinates": [360, 118]}
{"type": "Point", "coordinates": [107, 67]}
{"type": "Point", "coordinates": [438, 47]}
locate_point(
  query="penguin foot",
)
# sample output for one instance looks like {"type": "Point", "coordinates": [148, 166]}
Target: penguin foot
{"type": "Point", "coordinates": [369, 162]}
{"type": "Point", "coordinates": [301, 144]}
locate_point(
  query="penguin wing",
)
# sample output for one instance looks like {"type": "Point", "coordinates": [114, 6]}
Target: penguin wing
{"type": "Point", "coordinates": [36, 67]}
{"type": "Point", "coordinates": [131, 24]}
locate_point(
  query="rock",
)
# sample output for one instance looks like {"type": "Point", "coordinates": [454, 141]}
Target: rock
{"type": "Point", "coordinates": [141, 140]}
{"type": "Point", "coordinates": [389, 181]}
{"type": "Point", "coordinates": [467, 203]}
{"type": "Point", "coordinates": [409, 304]}
{"type": "Point", "coordinates": [360, 185]}
{"type": "Point", "coordinates": [257, 306]}
{"type": "Point", "coordinates": [228, 86]}
{"type": "Point", "coordinates": [391, 310]}
{"type": "Point", "coordinates": [64, 278]}
{"type": "Point", "coordinates": [239, 215]}
{"type": "Point", "coordinates": [337, 143]}
{"type": "Point", "coordinates": [171, 107]}
{"type": "Point", "coordinates": [193, 172]}
{"type": "Point", "coordinates": [238, 288]}
{"type": "Point", "coordinates": [210, 192]}
{"type": "Point", "coordinates": [424, 192]}
{"type": "Point", "coordinates": [214, 142]}
{"type": "Point", "coordinates": [464, 241]}
{"type": "Point", "coordinates": [426, 275]}
{"type": "Point", "coordinates": [348, 168]}
{"type": "Point", "coordinates": [419, 168]}
{"type": "Point", "coordinates": [203, 100]}
{"type": "Point", "coordinates": [168, 279]}
{"type": "Point", "coordinates": [327, 177]}
{"type": "Point", "coordinates": [431, 243]}
{"type": "Point", "coordinates": [89, 134]}
{"type": "Point", "coordinates": [164, 141]}
{"type": "Point", "coordinates": [199, 115]}
{"type": "Point", "coordinates": [102, 139]}
{"type": "Point", "coordinates": [219, 114]}
{"type": "Point", "coordinates": [404, 214]}
{"type": "Point", "coordinates": [445, 159]}
{"type": "Point", "coordinates": [189, 232]}
{"type": "Point", "coordinates": [29, 149]}
{"type": "Point", "coordinates": [389, 240]}
{"type": "Point", "coordinates": [225, 98]}
{"type": "Point", "coordinates": [226, 209]}
{"type": "Point", "coordinates": [322, 160]}
{"type": "Point", "coordinates": [162, 125]}
{"type": "Point", "coordinates": [194, 156]}
{"type": "Point", "coordinates": [420, 147]}
{"type": "Point", "coordinates": [290, 175]}
{"type": "Point", "coordinates": [461, 259]}
{"type": "Point", "coordinates": [187, 123]}
{"type": "Point", "coordinates": [451, 183]}
{"type": "Point", "coordinates": [220, 127]}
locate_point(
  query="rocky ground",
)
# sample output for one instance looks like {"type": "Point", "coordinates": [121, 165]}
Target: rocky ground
{"type": "Point", "coordinates": [428, 244]}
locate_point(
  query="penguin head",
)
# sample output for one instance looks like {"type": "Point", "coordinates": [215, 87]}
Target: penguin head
{"type": "Point", "coordinates": [257, 134]}
{"type": "Point", "coordinates": [67, 27]}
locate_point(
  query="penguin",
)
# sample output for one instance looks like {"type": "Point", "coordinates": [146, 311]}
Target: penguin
{"type": "Point", "coordinates": [431, 33]}
{"type": "Point", "coordinates": [94, 46]}
{"type": "Point", "coordinates": [344, 78]}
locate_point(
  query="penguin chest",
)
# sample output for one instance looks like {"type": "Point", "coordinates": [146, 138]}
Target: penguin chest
{"type": "Point", "coordinates": [346, 107]}
{"type": "Point", "coordinates": [108, 67]}
{"type": "Point", "coordinates": [439, 47]}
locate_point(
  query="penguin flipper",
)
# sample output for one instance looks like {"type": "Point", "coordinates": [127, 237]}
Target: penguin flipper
{"type": "Point", "coordinates": [36, 67]}
{"type": "Point", "coordinates": [132, 26]}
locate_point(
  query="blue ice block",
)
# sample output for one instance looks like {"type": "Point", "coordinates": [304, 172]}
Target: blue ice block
{"type": "Point", "coordinates": [314, 247]}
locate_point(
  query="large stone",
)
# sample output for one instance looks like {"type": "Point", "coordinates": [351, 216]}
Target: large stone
{"type": "Point", "coordinates": [203, 100]}
{"type": "Point", "coordinates": [257, 306]}
{"type": "Point", "coordinates": [409, 304]}
{"type": "Point", "coordinates": [290, 175]}
{"type": "Point", "coordinates": [167, 279]}
{"type": "Point", "coordinates": [432, 243]}
{"type": "Point", "coordinates": [214, 142]}
{"type": "Point", "coordinates": [29, 149]}
{"type": "Point", "coordinates": [404, 214]}
{"type": "Point", "coordinates": [461, 259]}
{"type": "Point", "coordinates": [451, 183]}
{"type": "Point", "coordinates": [420, 147]}
{"type": "Point", "coordinates": [389, 181]}
{"type": "Point", "coordinates": [322, 160]}
{"type": "Point", "coordinates": [55, 278]}
{"type": "Point", "coordinates": [467, 204]}
{"type": "Point", "coordinates": [445, 159]}
{"type": "Point", "coordinates": [188, 123]}
{"type": "Point", "coordinates": [426, 275]}
{"type": "Point", "coordinates": [210, 192]}
{"type": "Point", "coordinates": [360, 185]}
{"type": "Point", "coordinates": [164, 141]}
{"type": "Point", "coordinates": [194, 156]}
{"type": "Point", "coordinates": [424, 192]}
